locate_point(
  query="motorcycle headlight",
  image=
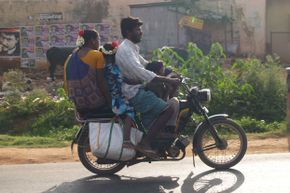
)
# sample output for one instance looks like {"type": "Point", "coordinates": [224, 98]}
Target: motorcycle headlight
{"type": "Point", "coordinates": [204, 95]}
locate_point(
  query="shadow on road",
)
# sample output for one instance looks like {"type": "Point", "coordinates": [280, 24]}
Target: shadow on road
{"type": "Point", "coordinates": [225, 181]}
{"type": "Point", "coordinates": [115, 183]}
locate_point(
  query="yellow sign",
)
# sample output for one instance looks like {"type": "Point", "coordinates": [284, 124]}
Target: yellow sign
{"type": "Point", "coordinates": [191, 21]}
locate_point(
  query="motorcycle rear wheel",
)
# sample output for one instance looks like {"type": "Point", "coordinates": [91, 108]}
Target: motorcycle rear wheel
{"type": "Point", "coordinates": [222, 158]}
{"type": "Point", "coordinates": [90, 161]}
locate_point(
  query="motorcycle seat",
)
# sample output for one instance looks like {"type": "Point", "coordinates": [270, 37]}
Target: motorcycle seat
{"type": "Point", "coordinates": [105, 112]}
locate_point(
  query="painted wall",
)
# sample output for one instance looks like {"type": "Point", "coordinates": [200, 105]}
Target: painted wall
{"type": "Point", "coordinates": [278, 28]}
{"type": "Point", "coordinates": [16, 13]}
{"type": "Point", "coordinates": [278, 17]}
{"type": "Point", "coordinates": [251, 16]}
{"type": "Point", "coordinates": [247, 32]}
{"type": "Point", "coordinates": [160, 27]}
{"type": "Point", "coordinates": [120, 8]}
{"type": "Point", "coordinates": [29, 13]}
{"type": "Point", "coordinates": [249, 25]}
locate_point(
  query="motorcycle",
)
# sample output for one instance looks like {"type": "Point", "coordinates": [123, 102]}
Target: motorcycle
{"type": "Point", "coordinates": [218, 140]}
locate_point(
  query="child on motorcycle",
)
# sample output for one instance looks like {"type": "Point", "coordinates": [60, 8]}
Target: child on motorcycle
{"type": "Point", "coordinates": [160, 89]}
{"type": "Point", "coordinates": [164, 91]}
{"type": "Point", "coordinates": [120, 106]}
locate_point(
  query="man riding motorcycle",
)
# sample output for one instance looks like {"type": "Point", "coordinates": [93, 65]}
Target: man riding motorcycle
{"type": "Point", "coordinates": [155, 112]}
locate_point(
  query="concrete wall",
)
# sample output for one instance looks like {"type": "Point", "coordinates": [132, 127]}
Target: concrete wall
{"type": "Point", "coordinates": [16, 13]}
{"type": "Point", "coordinates": [119, 9]}
{"type": "Point", "coordinates": [278, 28]}
{"type": "Point", "coordinates": [251, 16]}
{"type": "Point", "coordinates": [247, 32]}
{"type": "Point", "coordinates": [160, 27]}
{"type": "Point", "coordinates": [27, 12]}
{"type": "Point", "coordinates": [278, 17]}
{"type": "Point", "coordinates": [249, 25]}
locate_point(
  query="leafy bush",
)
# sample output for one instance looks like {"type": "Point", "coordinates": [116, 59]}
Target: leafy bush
{"type": "Point", "coordinates": [268, 101]}
{"type": "Point", "coordinates": [247, 88]}
{"type": "Point", "coordinates": [258, 126]}
{"type": "Point", "coordinates": [36, 113]}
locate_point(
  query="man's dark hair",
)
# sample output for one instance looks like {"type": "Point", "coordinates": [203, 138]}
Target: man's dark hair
{"type": "Point", "coordinates": [128, 24]}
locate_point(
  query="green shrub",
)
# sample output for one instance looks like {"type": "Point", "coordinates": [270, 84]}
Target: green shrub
{"type": "Point", "coordinates": [36, 113]}
{"type": "Point", "coordinates": [269, 85]}
{"type": "Point", "coordinates": [259, 126]}
{"type": "Point", "coordinates": [247, 88]}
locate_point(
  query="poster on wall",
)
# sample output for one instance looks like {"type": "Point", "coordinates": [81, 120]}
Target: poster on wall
{"type": "Point", "coordinates": [104, 31]}
{"type": "Point", "coordinates": [57, 29]}
{"type": "Point", "coordinates": [85, 26]}
{"type": "Point", "coordinates": [71, 29]}
{"type": "Point", "coordinates": [27, 52]}
{"type": "Point", "coordinates": [42, 41]}
{"type": "Point", "coordinates": [70, 41]}
{"type": "Point", "coordinates": [9, 42]}
{"type": "Point", "coordinates": [27, 42]}
{"type": "Point", "coordinates": [41, 30]}
{"type": "Point", "coordinates": [27, 31]}
{"type": "Point", "coordinates": [41, 52]}
{"type": "Point", "coordinates": [57, 40]}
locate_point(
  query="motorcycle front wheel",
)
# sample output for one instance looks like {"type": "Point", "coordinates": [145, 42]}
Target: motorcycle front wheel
{"type": "Point", "coordinates": [91, 162]}
{"type": "Point", "coordinates": [234, 149]}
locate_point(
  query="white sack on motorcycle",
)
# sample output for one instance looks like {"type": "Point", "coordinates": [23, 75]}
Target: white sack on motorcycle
{"type": "Point", "coordinates": [106, 141]}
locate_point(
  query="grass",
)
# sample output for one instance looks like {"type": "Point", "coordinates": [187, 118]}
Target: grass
{"type": "Point", "coordinates": [45, 142]}
{"type": "Point", "coordinates": [30, 141]}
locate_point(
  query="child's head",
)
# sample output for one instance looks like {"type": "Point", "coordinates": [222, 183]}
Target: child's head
{"type": "Point", "coordinates": [109, 50]}
{"type": "Point", "coordinates": [156, 67]}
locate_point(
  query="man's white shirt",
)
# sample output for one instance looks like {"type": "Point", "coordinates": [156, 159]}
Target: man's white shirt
{"type": "Point", "coordinates": [132, 66]}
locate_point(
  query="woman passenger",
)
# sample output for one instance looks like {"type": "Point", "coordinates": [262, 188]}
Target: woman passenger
{"type": "Point", "coordinates": [84, 79]}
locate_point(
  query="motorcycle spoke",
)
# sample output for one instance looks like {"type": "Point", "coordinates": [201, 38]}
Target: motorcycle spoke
{"type": "Point", "coordinates": [209, 147]}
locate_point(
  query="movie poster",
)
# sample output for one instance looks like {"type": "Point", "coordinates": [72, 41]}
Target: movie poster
{"type": "Point", "coordinates": [27, 52]}
{"type": "Point", "coordinates": [104, 31]}
{"type": "Point", "coordinates": [70, 41]}
{"type": "Point", "coordinates": [27, 31]}
{"type": "Point", "coordinates": [40, 52]}
{"type": "Point", "coordinates": [57, 29]}
{"type": "Point", "coordinates": [27, 41]}
{"type": "Point", "coordinates": [41, 30]}
{"type": "Point", "coordinates": [71, 29]}
{"type": "Point", "coordinates": [57, 40]}
{"type": "Point", "coordinates": [42, 41]}
{"type": "Point", "coordinates": [9, 42]}
{"type": "Point", "coordinates": [85, 26]}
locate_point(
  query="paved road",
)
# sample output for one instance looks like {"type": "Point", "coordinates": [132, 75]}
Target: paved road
{"type": "Point", "coordinates": [266, 173]}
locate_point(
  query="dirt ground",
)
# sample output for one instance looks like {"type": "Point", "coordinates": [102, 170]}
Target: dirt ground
{"type": "Point", "coordinates": [53, 155]}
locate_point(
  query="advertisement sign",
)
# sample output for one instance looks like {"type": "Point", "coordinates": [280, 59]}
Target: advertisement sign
{"type": "Point", "coordinates": [190, 21]}
{"type": "Point", "coordinates": [9, 42]}
{"type": "Point", "coordinates": [28, 44]}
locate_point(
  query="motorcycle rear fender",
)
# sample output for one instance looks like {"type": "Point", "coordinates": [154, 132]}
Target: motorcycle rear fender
{"type": "Point", "coordinates": [204, 123]}
{"type": "Point", "coordinates": [77, 137]}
